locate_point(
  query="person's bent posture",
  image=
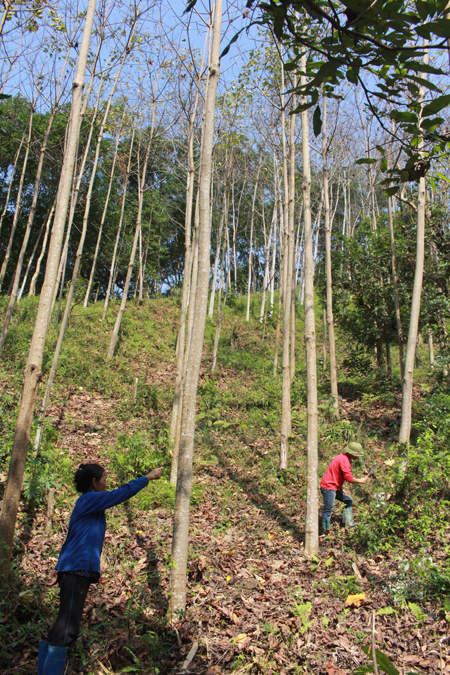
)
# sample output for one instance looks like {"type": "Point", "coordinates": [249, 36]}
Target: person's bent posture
{"type": "Point", "coordinates": [79, 561]}
{"type": "Point", "coordinates": [339, 471]}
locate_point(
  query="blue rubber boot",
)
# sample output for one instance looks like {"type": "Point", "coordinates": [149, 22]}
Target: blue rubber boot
{"type": "Point", "coordinates": [56, 661]}
{"type": "Point", "coordinates": [42, 655]}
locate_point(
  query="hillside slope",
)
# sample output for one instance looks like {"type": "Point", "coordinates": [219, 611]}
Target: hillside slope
{"type": "Point", "coordinates": [255, 603]}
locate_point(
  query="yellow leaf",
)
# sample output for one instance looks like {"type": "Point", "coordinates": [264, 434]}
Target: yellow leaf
{"type": "Point", "coordinates": [229, 553]}
{"type": "Point", "coordinates": [270, 535]}
{"type": "Point", "coordinates": [27, 597]}
{"type": "Point", "coordinates": [390, 462]}
{"type": "Point", "coordinates": [228, 578]}
{"type": "Point", "coordinates": [355, 600]}
{"type": "Point", "coordinates": [240, 638]}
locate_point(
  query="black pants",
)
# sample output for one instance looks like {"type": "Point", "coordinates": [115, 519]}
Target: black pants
{"type": "Point", "coordinates": [72, 596]}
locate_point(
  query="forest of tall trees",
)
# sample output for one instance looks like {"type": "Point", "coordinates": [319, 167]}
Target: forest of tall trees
{"type": "Point", "coordinates": [267, 179]}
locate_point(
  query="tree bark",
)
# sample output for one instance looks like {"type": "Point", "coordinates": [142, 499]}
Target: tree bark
{"type": "Point", "coordinates": [34, 363]}
{"type": "Point", "coordinates": [329, 275]}
{"type": "Point", "coordinates": [31, 259]}
{"type": "Point", "coordinates": [220, 309]}
{"type": "Point", "coordinates": [287, 296]}
{"type": "Point", "coordinates": [216, 260]}
{"type": "Point", "coordinates": [115, 333]}
{"type": "Point", "coordinates": [312, 506]}
{"type": "Point", "coordinates": [184, 480]}
{"type": "Point", "coordinates": [252, 219]}
{"type": "Point", "coordinates": [430, 345]}
{"type": "Point", "coordinates": [405, 426]}
{"type": "Point", "coordinates": [34, 278]}
{"type": "Point", "coordinates": [119, 229]}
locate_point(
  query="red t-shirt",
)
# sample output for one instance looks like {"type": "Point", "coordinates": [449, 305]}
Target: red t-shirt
{"type": "Point", "coordinates": [340, 470]}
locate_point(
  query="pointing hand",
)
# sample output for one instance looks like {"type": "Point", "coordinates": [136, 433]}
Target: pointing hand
{"type": "Point", "coordinates": [155, 474]}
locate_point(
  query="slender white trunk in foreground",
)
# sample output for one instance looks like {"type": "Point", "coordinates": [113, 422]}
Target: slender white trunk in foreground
{"type": "Point", "coordinates": [405, 426]}
{"type": "Point", "coordinates": [312, 503]}
{"type": "Point", "coordinates": [287, 297]}
{"type": "Point", "coordinates": [178, 577]}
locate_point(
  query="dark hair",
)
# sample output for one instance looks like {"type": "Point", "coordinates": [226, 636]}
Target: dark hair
{"type": "Point", "coordinates": [85, 474]}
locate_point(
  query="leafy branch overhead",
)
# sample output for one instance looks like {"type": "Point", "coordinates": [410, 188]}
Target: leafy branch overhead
{"type": "Point", "coordinates": [376, 44]}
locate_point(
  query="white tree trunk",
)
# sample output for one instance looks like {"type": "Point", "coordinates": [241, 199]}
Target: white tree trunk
{"type": "Point", "coordinates": [100, 229]}
{"type": "Point", "coordinates": [119, 228]}
{"type": "Point", "coordinates": [405, 426]}
{"type": "Point", "coordinates": [115, 333]}
{"type": "Point", "coordinates": [37, 271]}
{"type": "Point", "coordinates": [287, 295]}
{"type": "Point", "coordinates": [312, 505]}
{"type": "Point", "coordinates": [184, 479]}
{"type": "Point", "coordinates": [250, 249]}
{"type": "Point", "coordinates": [329, 275]}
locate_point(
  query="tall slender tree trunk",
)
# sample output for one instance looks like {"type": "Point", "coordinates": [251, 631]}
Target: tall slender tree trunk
{"type": "Point", "coordinates": [115, 333]}
{"type": "Point", "coordinates": [250, 248]}
{"type": "Point", "coordinates": [312, 505]}
{"type": "Point", "coordinates": [292, 170]}
{"type": "Point", "coordinates": [111, 280]}
{"type": "Point", "coordinates": [266, 282]}
{"type": "Point", "coordinates": [77, 182]}
{"type": "Point", "coordinates": [430, 345]}
{"type": "Point", "coordinates": [216, 261]}
{"type": "Point", "coordinates": [37, 271]}
{"type": "Point", "coordinates": [220, 306]}
{"type": "Point", "coordinates": [19, 197]}
{"type": "Point", "coordinates": [405, 425]}
{"type": "Point", "coordinates": [190, 326]}
{"type": "Point", "coordinates": [34, 363]}
{"type": "Point", "coordinates": [280, 291]}
{"type": "Point", "coordinates": [395, 287]}
{"type": "Point", "coordinates": [100, 229]}
{"type": "Point", "coordinates": [287, 296]}
{"type": "Point", "coordinates": [180, 351]}
{"type": "Point", "coordinates": [184, 480]}
{"type": "Point", "coordinates": [11, 178]}
{"type": "Point", "coordinates": [329, 275]}
{"type": "Point", "coordinates": [125, 54]}
{"type": "Point", "coordinates": [31, 259]}
{"type": "Point", "coordinates": [73, 203]}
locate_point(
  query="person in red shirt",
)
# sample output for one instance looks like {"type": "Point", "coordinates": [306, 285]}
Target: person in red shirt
{"type": "Point", "coordinates": [339, 471]}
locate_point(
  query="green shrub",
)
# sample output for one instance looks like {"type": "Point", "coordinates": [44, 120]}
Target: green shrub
{"type": "Point", "coordinates": [136, 455]}
{"type": "Point", "coordinates": [411, 506]}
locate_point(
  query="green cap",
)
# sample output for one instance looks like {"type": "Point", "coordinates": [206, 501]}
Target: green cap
{"type": "Point", "coordinates": [354, 449]}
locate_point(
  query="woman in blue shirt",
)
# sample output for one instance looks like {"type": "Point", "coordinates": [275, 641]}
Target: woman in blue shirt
{"type": "Point", "coordinates": [79, 561]}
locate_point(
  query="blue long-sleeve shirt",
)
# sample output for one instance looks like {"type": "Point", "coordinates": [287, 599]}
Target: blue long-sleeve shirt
{"type": "Point", "coordinates": [87, 526]}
